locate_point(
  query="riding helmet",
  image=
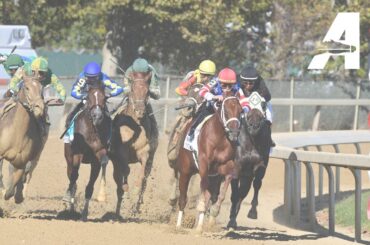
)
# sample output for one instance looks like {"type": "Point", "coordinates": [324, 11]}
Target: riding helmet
{"type": "Point", "coordinates": [207, 67]}
{"type": "Point", "coordinates": [140, 65]}
{"type": "Point", "coordinates": [14, 61]}
{"type": "Point", "coordinates": [40, 64]}
{"type": "Point", "coordinates": [92, 69]}
{"type": "Point", "coordinates": [249, 73]}
{"type": "Point", "coordinates": [227, 75]}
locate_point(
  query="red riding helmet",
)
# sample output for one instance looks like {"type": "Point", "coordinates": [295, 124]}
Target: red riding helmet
{"type": "Point", "coordinates": [227, 75]}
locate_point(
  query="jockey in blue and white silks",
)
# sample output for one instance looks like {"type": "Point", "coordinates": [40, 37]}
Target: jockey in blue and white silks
{"type": "Point", "coordinates": [92, 74]}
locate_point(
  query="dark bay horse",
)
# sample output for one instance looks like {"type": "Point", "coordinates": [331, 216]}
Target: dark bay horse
{"type": "Point", "coordinates": [252, 155]}
{"type": "Point", "coordinates": [216, 152]}
{"type": "Point", "coordinates": [134, 140]}
{"type": "Point", "coordinates": [22, 132]}
{"type": "Point", "coordinates": [92, 132]}
{"type": "Point", "coordinates": [191, 104]}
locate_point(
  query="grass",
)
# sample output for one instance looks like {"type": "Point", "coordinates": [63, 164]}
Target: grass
{"type": "Point", "coordinates": [345, 213]}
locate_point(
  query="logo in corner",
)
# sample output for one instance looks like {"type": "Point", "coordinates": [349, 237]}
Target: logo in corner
{"type": "Point", "coordinates": [342, 39]}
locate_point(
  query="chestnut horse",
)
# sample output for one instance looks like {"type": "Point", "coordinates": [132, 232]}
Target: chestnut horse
{"type": "Point", "coordinates": [134, 140]}
{"type": "Point", "coordinates": [216, 151]}
{"type": "Point", "coordinates": [92, 132]}
{"type": "Point", "coordinates": [252, 155]}
{"type": "Point", "coordinates": [191, 104]}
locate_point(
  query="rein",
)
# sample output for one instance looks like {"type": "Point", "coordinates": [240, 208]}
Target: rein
{"type": "Point", "coordinates": [224, 120]}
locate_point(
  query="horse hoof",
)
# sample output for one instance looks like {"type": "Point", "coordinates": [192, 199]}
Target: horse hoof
{"type": "Point", "coordinates": [199, 231]}
{"type": "Point", "coordinates": [252, 214]}
{"type": "Point", "coordinates": [18, 198]}
{"type": "Point", "coordinates": [8, 195]}
{"type": "Point", "coordinates": [232, 225]}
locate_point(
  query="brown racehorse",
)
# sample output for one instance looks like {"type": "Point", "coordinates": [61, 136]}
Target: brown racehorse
{"type": "Point", "coordinates": [216, 151]}
{"type": "Point", "coordinates": [92, 131]}
{"type": "Point", "coordinates": [191, 103]}
{"type": "Point", "coordinates": [22, 132]}
{"type": "Point", "coordinates": [134, 140]}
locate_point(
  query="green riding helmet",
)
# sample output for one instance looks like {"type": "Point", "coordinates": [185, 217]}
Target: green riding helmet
{"type": "Point", "coordinates": [40, 64]}
{"type": "Point", "coordinates": [140, 65]}
{"type": "Point", "coordinates": [14, 61]}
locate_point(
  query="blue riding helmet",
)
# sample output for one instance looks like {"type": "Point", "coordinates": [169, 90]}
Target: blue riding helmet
{"type": "Point", "coordinates": [92, 69]}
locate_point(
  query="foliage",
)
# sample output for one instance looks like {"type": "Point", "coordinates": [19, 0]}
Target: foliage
{"type": "Point", "coordinates": [279, 36]}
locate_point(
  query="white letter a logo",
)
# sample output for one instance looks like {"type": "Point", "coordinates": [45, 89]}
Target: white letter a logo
{"type": "Point", "coordinates": [343, 38]}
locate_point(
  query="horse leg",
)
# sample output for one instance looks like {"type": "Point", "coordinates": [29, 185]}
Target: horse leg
{"type": "Point", "coordinates": [94, 173]}
{"type": "Point", "coordinates": [148, 170]}
{"type": "Point", "coordinates": [138, 189]}
{"type": "Point", "coordinates": [205, 194]}
{"type": "Point", "coordinates": [31, 165]}
{"type": "Point", "coordinates": [239, 190]}
{"type": "Point", "coordinates": [68, 155]}
{"type": "Point", "coordinates": [215, 209]}
{"type": "Point", "coordinates": [174, 185]}
{"type": "Point", "coordinates": [118, 178]}
{"type": "Point", "coordinates": [15, 177]}
{"type": "Point", "coordinates": [71, 191]}
{"type": "Point", "coordinates": [102, 194]}
{"type": "Point", "coordinates": [257, 183]}
{"type": "Point", "coordinates": [183, 186]}
{"type": "Point", "coordinates": [19, 190]}
{"type": "Point", "coordinates": [1, 174]}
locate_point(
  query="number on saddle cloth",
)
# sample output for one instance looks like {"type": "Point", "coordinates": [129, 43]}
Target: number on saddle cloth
{"type": "Point", "coordinates": [256, 101]}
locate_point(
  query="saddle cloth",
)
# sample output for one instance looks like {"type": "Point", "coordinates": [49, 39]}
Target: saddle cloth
{"type": "Point", "coordinates": [192, 145]}
{"type": "Point", "coordinates": [69, 136]}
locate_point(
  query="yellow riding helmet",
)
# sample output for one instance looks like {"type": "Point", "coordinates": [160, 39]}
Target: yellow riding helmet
{"type": "Point", "coordinates": [207, 67]}
{"type": "Point", "coordinates": [40, 64]}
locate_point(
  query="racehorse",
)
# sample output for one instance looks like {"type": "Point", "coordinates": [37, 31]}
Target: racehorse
{"type": "Point", "coordinates": [134, 140]}
{"type": "Point", "coordinates": [190, 105]}
{"type": "Point", "coordinates": [23, 132]}
{"type": "Point", "coordinates": [252, 155]}
{"type": "Point", "coordinates": [216, 150]}
{"type": "Point", "coordinates": [92, 132]}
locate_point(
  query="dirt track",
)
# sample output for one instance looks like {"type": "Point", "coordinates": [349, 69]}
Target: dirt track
{"type": "Point", "coordinates": [35, 221]}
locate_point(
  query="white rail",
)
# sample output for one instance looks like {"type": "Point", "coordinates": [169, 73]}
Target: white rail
{"type": "Point", "coordinates": [293, 158]}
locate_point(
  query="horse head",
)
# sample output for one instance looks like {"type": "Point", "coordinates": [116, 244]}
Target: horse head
{"type": "Point", "coordinates": [139, 94]}
{"type": "Point", "coordinates": [230, 111]}
{"type": "Point", "coordinates": [31, 96]}
{"type": "Point", "coordinates": [96, 103]}
{"type": "Point", "coordinates": [256, 116]}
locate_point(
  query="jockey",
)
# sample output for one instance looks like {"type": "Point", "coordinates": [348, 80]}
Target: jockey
{"type": "Point", "coordinates": [15, 66]}
{"type": "Point", "coordinates": [142, 66]}
{"type": "Point", "coordinates": [250, 81]}
{"type": "Point", "coordinates": [91, 74]}
{"type": "Point", "coordinates": [40, 67]}
{"type": "Point", "coordinates": [203, 74]}
{"type": "Point", "coordinates": [213, 91]}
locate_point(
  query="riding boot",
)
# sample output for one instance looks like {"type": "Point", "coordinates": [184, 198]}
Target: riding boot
{"type": "Point", "coordinates": [202, 113]}
{"type": "Point", "coordinates": [73, 113]}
